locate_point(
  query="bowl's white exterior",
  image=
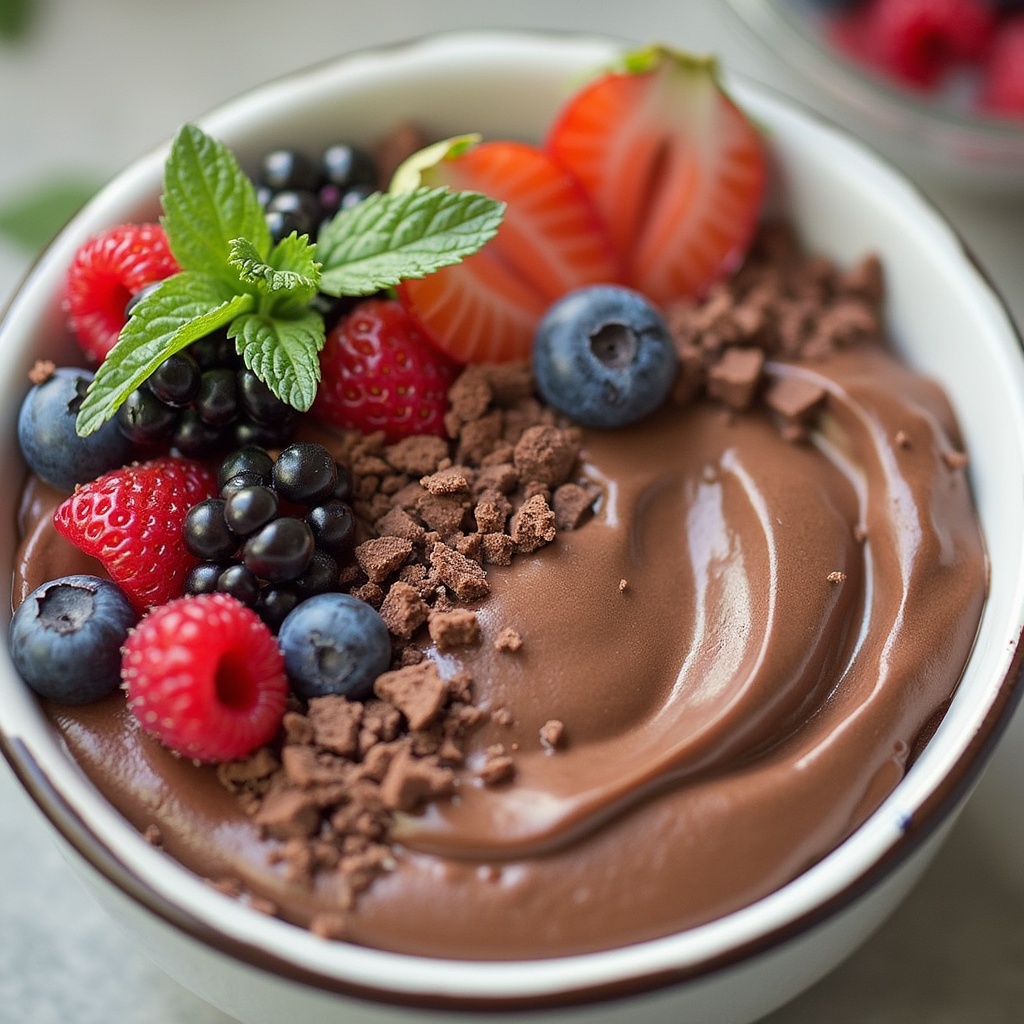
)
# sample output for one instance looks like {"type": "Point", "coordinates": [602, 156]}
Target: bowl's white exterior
{"type": "Point", "coordinates": [947, 321]}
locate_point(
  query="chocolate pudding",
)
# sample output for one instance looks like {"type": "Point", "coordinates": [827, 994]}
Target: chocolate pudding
{"type": "Point", "coordinates": [714, 648]}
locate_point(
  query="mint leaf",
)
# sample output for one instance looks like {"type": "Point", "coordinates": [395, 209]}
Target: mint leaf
{"type": "Point", "coordinates": [208, 202]}
{"type": "Point", "coordinates": [282, 351]}
{"type": "Point", "coordinates": [290, 268]}
{"type": "Point", "coordinates": [183, 309]}
{"type": "Point", "coordinates": [390, 237]}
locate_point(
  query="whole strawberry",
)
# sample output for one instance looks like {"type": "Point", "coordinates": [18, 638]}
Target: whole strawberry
{"type": "Point", "coordinates": [131, 520]}
{"type": "Point", "coordinates": [206, 677]}
{"type": "Point", "coordinates": [107, 271]}
{"type": "Point", "coordinates": [379, 372]}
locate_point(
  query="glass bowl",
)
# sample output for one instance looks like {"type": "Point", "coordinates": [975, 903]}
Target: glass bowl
{"type": "Point", "coordinates": [929, 138]}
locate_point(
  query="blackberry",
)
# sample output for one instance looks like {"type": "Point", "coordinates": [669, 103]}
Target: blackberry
{"type": "Point", "coordinates": [269, 555]}
{"type": "Point", "coordinates": [203, 401]}
{"type": "Point", "coordinates": [299, 193]}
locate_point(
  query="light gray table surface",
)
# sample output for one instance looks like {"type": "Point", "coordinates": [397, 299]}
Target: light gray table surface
{"type": "Point", "coordinates": [98, 82]}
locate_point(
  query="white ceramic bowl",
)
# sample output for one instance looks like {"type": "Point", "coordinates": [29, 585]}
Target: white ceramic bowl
{"type": "Point", "coordinates": [947, 321]}
{"type": "Point", "coordinates": [939, 142]}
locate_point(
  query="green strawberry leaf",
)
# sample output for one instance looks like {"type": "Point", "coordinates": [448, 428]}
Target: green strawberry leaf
{"type": "Point", "coordinates": [391, 237]}
{"type": "Point", "coordinates": [208, 202]}
{"type": "Point", "coordinates": [290, 269]}
{"type": "Point", "coordinates": [282, 351]}
{"type": "Point", "coordinates": [182, 309]}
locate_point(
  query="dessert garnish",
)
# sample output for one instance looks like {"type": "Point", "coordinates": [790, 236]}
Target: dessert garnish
{"type": "Point", "coordinates": [234, 277]}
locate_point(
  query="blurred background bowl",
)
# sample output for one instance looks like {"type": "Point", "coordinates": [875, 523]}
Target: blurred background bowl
{"type": "Point", "coordinates": [933, 139]}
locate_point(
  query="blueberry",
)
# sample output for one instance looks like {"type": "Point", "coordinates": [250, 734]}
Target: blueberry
{"type": "Point", "coordinates": [334, 644]}
{"type": "Point", "coordinates": [603, 355]}
{"type": "Point", "coordinates": [51, 445]}
{"type": "Point", "coordinates": [66, 638]}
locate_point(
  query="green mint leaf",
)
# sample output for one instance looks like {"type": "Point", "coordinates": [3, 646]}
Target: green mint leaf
{"type": "Point", "coordinates": [208, 202]}
{"type": "Point", "coordinates": [390, 237]}
{"type": "Point", "coordinates": [290, 268]}
{"type": "Point", "coordinates": [282, 351]}
{"type": "Point", "coordinates": [181, 310]}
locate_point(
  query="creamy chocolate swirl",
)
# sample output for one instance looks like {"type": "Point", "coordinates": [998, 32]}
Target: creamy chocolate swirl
{"type": "Point", "coordinates": [744, 646]}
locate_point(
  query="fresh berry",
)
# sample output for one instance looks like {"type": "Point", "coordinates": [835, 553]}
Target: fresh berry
{"type": "Point", "coordinates": [107, 271]}
{"type": "Point", "coordinates": [298, 193]}
{"type": "Point", "coordinates": [206, 677]}
{"type": "Point", "coordinates": [486, 308]}
{"type": "Point", "coordinates": [277, 530]}
{"type": "Point", "coordinates": [281, 551]}
{"type": "Point", "coordinates": [48, 439]}
{"type": "Point", "coordinates": [202, 400]}
{"type": "Point", "coordinates": [674, 167]}
{"type": "Point", "coordinates": [334, 644]}
{"type": "Point", "coordinates": [915, 42]}
{"type": "Point", "coordinates": [131, 519]}
{"type": "Point", "coordinates": [1002, 88]}
{"type": "Point", "coordinates": [305, 473]}
{"type": "Point", "coordinates": [379, 372]}
{"type": "Point", "coordinates": [66, 638]}
{"type": "Point", "coordinates": [206, 532]}
{"type": "Point", "coordinates": [604, 356]}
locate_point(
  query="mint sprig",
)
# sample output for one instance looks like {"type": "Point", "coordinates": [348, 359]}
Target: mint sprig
{"type": "Point", "coordinates": [233, 276]}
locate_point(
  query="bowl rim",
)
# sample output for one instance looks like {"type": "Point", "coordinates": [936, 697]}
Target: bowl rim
{"type": "Point", "coordinates": [549, 992]}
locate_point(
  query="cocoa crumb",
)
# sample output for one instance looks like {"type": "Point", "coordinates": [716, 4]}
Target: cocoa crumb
{"type": "Point", "coordinates": [382, 556]}
{"type": "Point", "coordinates": [508, 639]}
{"type": "Point", "coordinates": [955, 459]}
{"type": "Point", "coordinates": [42, 370]}
{"type": "Point", "coordinates": [153, 835]}
{"type": "Point", "coordinates": [460, 574]}
{"type": "Point", "coordinates": [403, 609]}
{"type": "Point", "coordinates": [572, 505]}
{"type": "Point", "coordinates": [418, 691]}
{"type": "Point", "coordinates": [533, 525]}
{"type": "Point", "coordinates": [456, 628]}
{"type": "Point", "coordinates": [552, 734]}
{"type": "Point", "coordinates": [545, 454]}
{"type": "Point", "coordinates": [498, 767]}
{"type": "Point", "coordinates": [837, 577]}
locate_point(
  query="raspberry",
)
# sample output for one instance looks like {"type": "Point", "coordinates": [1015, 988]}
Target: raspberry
{"type": "Point", "coordinates": [131, 520]}
{"type": "Point", "coordinates": [206, 677]}
{"type": "Point", "coordinates": [1002, 89]}
{"type": "Point", "coordinates": [379, 372]}
{"type": "Point", "coordinates": [916, 42]}
{"type": "Point", "coordinates": [107, 271]}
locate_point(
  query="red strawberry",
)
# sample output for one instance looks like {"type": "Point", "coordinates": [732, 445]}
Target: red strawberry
{"type": "Point", "coordinates": [916, 42]}
{"type": "Point", "coordinates": [1002, 90]}
{"type": "Point", "coordinates": [380, 372]}
{"type": "Point", "coordinates": [131, 520]}
{"type": "Point", "coordinates": [675, 169]}
{"type": "Point", "coordinates": [486, 308]}
{"type": "Point", "coordinates": [104, 275]}
{"type": "Point", "coordinates": [206, 676]}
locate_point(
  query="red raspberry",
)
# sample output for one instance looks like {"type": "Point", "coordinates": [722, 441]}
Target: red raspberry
{"type": "Point", "coordinates": [131, 520]}
{"type": "Point", "coordinates": [1002, 87]}
{"type": "Point", "coordinates": [379, 372]}
{"type": "Point", "coordinates": [916, 42]}
{"type": "Point", "coordinates": [106, 272]}
{"type": "Point", "coordinates": [206, 676]}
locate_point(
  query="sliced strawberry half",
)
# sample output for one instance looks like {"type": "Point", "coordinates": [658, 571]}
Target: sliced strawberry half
{"type": "Point", "coordinates": [674, 167]}
{"type": "Point", "coordinates": [486, 308]}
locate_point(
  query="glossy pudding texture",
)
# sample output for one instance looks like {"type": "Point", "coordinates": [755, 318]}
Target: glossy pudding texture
{"type": "Point", "coordinates": [702, 684]}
